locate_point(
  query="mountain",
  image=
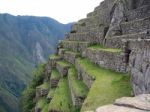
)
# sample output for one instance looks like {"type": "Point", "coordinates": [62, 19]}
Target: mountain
{"type": "Point", "coordinates": [25, 41]}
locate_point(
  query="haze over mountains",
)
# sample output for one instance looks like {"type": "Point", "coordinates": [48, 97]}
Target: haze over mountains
{"type": "Point", "coordinates": [25, 41]}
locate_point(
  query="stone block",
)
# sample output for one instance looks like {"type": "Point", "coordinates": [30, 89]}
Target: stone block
{"type": "Point", "coordinates": [135, 26]}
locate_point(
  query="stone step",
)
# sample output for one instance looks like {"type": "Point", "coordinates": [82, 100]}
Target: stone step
{"type": "Point", "coordinates": [61, 52]}
{"type": "Point", "coordinates": [90, 21]}
{"type": "Point", "coordinates": [135, 26]}
{"type": "Point", "coordinates": [118, 41]}
{"type": "Point", "coordinates": [139, 13]}
{"type": "Point", "coordinates": [52, 60]}
{"type": "Point", "coordinates": [54, 79]}
{"type": "Point", "coordinates": [63, 67]}
{"type": "Point", "coordinates": [61, 101]}
{"type": "Point", "coordinates": [91, 36]}
{"type": "Point", "coordinates": [70, 56]}
{"type": "Point", "coordinates": [51, 64]}
{"type": "Point", "coordinates": [92, 28]}
{"type": "Point", "coordinates": [42, 90]}
{"type": "Point", "coordinates": [75, 46]}
{"type": "Point", "coordinates": [77, 88]}
{"type": "Point", "coordinates": [78, 36]}
{"type": "Point", "coordinates": [109, 58]}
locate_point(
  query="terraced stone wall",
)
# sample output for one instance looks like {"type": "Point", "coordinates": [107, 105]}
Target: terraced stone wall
{"type": "Point", "coordinates": [107, 59]}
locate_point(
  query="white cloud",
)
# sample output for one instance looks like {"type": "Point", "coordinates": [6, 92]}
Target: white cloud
{"type": "Point", "coordinates": [62, 10]}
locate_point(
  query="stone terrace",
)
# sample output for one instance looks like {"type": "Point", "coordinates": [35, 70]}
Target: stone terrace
{"type": "Point", "coordinates": [97, 59]}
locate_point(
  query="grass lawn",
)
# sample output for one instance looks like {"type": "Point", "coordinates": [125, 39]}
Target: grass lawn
{"type": "Point", "coordinates": [64, 63]}
{"type": "Point", "coordinates": [73, 53]}
{"type": "Point", "coordinates": [70, 42]}
{"type": "Point", "coordinates": [45, 108]}
{"type": "Point", "coordinates": [55, 74]}
{"type": "Point", "coordinates": [51, 93]}
{"type": "Point", "coordinates": [41, 102]}
{"type": "Point", "coordinates": [45, 85]}
{"type": "Point", "coordinates": [107, 87]}
{"type": "Point", "coordinates": [54, 56]}
{"type": "Point", "coordinates": [79, 88]}
{"type": "Point", "coordinates": [102, 48]}
{"type": "Point", "coordinates": [62, 99]}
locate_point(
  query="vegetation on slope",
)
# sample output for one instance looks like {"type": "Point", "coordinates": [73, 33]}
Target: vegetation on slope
{"type": "Point", "coordinates": [102, 48]}
{"type": "Point", "coordinates": [28, 102]}
{"type": "Point", "coordinates": [107, 87]}
{"type": "Point", "coordinates": [79, 88]}
{"type": "Point", "coordinates": [55, 74]}
{"type": "Point", "coordinates": [62, 99]}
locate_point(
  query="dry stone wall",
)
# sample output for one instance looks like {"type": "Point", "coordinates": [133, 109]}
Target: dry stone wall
{"type": "Point", "coordinates": [83, 75]}
{"type": "Point", "coordinates": [114, 24]}
{"type": "Point", "coordinates": [109, 60]}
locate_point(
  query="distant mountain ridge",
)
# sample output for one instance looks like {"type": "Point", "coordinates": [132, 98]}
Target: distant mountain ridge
{"type": "Point", "coordinates": [25, 41]}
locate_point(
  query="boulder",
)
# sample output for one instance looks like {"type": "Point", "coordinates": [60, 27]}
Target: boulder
{"type": "Point", "coordinates": [141, 102]}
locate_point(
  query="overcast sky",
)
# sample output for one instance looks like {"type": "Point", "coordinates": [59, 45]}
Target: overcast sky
{"type": "Point", "coordinates": [64, 11]}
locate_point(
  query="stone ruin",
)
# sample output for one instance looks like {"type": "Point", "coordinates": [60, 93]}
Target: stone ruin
{"type": "Point", "coordinates": [114, 24]}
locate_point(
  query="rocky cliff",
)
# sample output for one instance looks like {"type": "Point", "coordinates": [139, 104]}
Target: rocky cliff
{"type": "Point", "coordinates": [106, 56]}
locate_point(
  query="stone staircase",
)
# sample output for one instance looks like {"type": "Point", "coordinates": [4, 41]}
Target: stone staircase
{"type": "Point", "coordinates": [90, 69]}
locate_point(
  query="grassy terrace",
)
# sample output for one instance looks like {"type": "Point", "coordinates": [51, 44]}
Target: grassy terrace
{"type": "Point", "coordinates": [51, 93]}
{"type": "Point", "coordinates": [45, 85]}
{"type": "Point", "coordinates": [62, 99]}
{"type": "Point", "coordinates": [70, 42]}
{"type": "Point", "coordinates": [62, 49]}
{"type": "Point", "coordinates": [55, 74]}
{"type": "Point", "coordinates": [54, 56]}
{"type": "Point", "coordinates": [63, 63]}
{"type": "Point", "coordinates": [73, 53]}
{"type": "Point", "coordinates": [79, 88]}
{"type": "Point", "coordinates": [45, 108]}
{"type": "Point", "coordinates": [41, 103]}
{"type": "Point", "coordinates": [107, 87]}
{"type": "Point", "coordinates": [102, 48]}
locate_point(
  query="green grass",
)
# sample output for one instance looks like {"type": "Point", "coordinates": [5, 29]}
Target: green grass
{"type": "Point", "coordinates": [63, 63]}
{"type": "Point", "coordinates": [79, 88]}
{"type": "Point", "coordinates": [107, 87]}
{"type": "Point", "coordinates": [41, 103]}
{"type": "Point", "coordinates": [73, 53]}
{"type": "Point", "coordinates": [54, 56]}
{"type": "Point", "coordinates": [55, 74]}
{"type": "Point", "coordinates": [51, 93]}
{"type": "Point", "coordinates": [102, 48]}
{"type": "Point", "coordinates": [45, 85]}
{"type": "Point", "coordinates": [82, 42]}
{"type": "Point", "coordinates": [45, 108]}
{"type": "Point", "coordinates": [62, 99]}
